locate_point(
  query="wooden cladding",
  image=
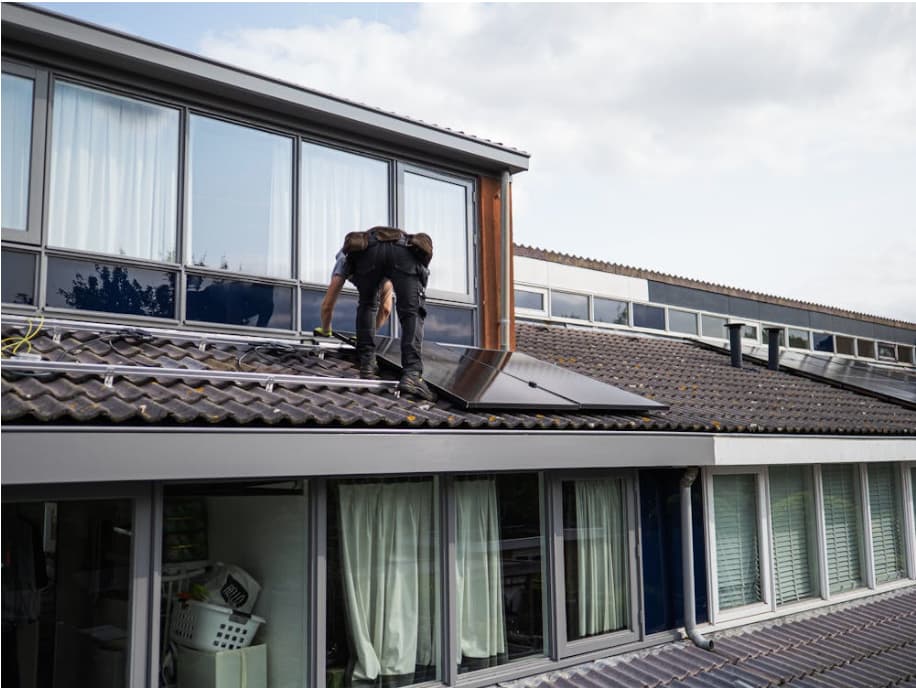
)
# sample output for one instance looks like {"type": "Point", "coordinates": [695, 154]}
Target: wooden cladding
{"type": "Point", "coordinates": [490, 267]}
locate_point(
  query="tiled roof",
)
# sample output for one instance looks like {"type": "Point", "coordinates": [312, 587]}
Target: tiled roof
{"type": "Point", "coordinates": [521, 251]}
{"type": "Point", "coordinates": [705, 393]}
{"type": "Point", "coordinates": [864, 644]}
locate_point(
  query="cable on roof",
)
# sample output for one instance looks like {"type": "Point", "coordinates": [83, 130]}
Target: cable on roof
{"type": "Point", "coordinates": [14, 343]}
{"type": "Point", "coordinates": [132, 335]}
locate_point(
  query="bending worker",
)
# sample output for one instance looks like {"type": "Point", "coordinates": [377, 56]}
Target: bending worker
{"type": "Point", "coordinates": [388, 252]}
{"type": "Point", "coordinates": [339, 275]}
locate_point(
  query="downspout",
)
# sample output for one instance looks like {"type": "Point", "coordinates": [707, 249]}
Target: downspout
{"type": "Point", "coordinates": [505, 320]}
{"type": "Point", "coordinates": [690, 608]}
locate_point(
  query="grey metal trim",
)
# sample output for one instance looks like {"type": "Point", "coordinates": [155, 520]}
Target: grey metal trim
{"type": "Point", "coordinates": [450, 641]}
{"type": "Point", "coordinates": [140, 633]}
{"type": "Point", "coordinates": [269, 379]}
{"type": "Point", "coordinates": [80, 40]}
{"type": "Point", "coordinates": [155, 587]}
{"type": "Point", "coordinates": [317, 585]}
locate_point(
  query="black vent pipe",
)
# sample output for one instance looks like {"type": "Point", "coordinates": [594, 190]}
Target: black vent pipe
{"type": "Point", "coordinates": [734, 342]}
{"type": "Point", "coordinates": [773, 347]}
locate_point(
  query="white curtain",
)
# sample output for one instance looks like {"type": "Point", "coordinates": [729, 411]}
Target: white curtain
{"type": "Point", "coordinates": [387, 547]}
{"type": "Point", "coordinates": [341, 192]}
{"type": "Point", "coordinates": [602, 556]}
{"type": "Point", "coordinates": [114, 174]}
{"type": "Point", "coordinates": [17, 144]}
{"type": "Point", "coordinates": [440, 209]}
{"type": "Point", "coordinates": [481, 624]}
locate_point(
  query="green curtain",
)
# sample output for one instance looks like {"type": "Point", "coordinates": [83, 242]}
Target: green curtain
{"type": "Point", "coordinates": [737, 549]}
{"type": "Point", "coordinates": [388, 566]}
{"type": "Point", "coordinates": [479, 594]}
{"type": "Point", "coordinates": [791, 515]}
{"type": "Point", "coordinates": [842, 526]}
{"type": "Point", "coordinates": [601, 537]}
{"type": "Point", "coordinates": [886, 522]}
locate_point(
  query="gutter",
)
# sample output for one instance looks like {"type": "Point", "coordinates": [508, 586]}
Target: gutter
{"type": "Point", "coordinates": [505, 322]}
{"type": "Point", "coordinates": [690, 608]}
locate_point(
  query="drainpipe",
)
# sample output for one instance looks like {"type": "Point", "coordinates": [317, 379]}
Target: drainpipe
{"type": "Point", "coordinates": [505, 321]}
{"type": "Point", "coordinates": [690, 608]}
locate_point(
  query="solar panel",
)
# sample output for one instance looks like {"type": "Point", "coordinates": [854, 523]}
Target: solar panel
{"type": "Point", "coordinates": [492, 379]}
{"type": "Point", "coordinates": [897, 385]}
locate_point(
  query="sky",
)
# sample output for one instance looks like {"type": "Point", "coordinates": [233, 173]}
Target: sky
{"type": "Point", "coordinates": [766, 147]}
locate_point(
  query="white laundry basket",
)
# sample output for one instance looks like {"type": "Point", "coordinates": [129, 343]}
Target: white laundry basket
{"type": "Point", "coordinates": [211, 628]}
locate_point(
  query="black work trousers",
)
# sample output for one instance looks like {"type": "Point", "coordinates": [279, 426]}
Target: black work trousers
{"type": "Point", "coordinates": [408, 277]}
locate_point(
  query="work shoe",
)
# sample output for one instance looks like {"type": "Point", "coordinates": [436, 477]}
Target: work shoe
{"type": "Point", "coordinates": [413, 385]}
{"type": "Point", "coordinates": [368, 371]}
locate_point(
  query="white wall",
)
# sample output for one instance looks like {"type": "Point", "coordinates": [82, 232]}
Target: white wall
{"type": "Point", "coordinates": [542, 273]}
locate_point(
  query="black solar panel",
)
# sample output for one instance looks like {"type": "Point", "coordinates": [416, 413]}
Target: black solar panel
{"type": "Point", "coordinates": [867, 377]}
{"type": "Point", "coordinates": [491, 379]}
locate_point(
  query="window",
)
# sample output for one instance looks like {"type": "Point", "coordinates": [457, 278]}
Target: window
{"type": "Point", "coordinates": [822, 341]}
{"type": "Point", "coordinates": [498, 554]}
{"type": "Point", "coordinates": [782, 334]}
{"type": "Point", "coordinates": [887, 351]}
{"type": "Point", "coordinates": [905, 353]}
{"type": "Point", "coordinates": [845, 345]}
{"type": "Point", "coordinates": [18, 278]}
{"type": "Point", "coordinates": [383, 618]}
{"type": "Point", "coordinates": [865, 348]}
{"type": "Point", "coordinates": [798, 339]}
{"type": "Point", "coordinates": [651, 317]}
{"type": "Point", "coordinates": [749, 332]}
{"type": "Point", "coordinates": [340, 192]}
{"type": "Point", "coordinates": [564, 305]}
{"type": "Point", "coordinates": [887, 531]}
{"type": "Point", "coordinates": [344, 313]}
{"type": "Point", "coordinates": [532, 300]}
{"type": "Point", "coordinates": [736, 537]}
{"type": "Point", "coordinates": [794, 539]}
{"type": "Point", "coordinates": [114, 174]}
{"type": "Point", "coordinates": [439, 207]}
{"type": "Point", "coordinates": [842, 526]}
{"type": "Point", "coordinates": [234, 302]}
{"type": "Point", "coordinates": [682, 321]}
{"type": "Point", "coordinates": [611, 311]}
{"type": "Point", "coordinates": [448, 325]}
{"type": "Point", "coordinates": [714, 326]}
{"type": "Point", "coordinates": [239, 198]}
{"type": "Point", "coordinates": [17, 96]}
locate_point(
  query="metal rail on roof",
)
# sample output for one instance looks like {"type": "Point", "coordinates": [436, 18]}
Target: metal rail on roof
{"type": "Point", "coordinates": [109, 372]}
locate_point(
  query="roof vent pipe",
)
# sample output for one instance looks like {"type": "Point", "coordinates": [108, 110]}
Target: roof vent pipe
{"type": "Point", "coordinates": [690, 609]}
{"type": "Point", "coordinates": [734, 342]}
{"type": "Point", "coordinates": [773, 347]}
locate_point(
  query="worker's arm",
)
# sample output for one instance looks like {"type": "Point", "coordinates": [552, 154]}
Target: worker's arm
{"type": "Point", "coordinates": [384, 308]}
{"type": "Point", "coordinates": [329, 301]}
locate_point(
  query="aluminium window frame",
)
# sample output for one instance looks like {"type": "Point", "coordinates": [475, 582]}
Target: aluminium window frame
{"type": "Point", "coordinates": [603, 323]}
{"type": "Point", "coordinates": [570, 319]}
{"type": "Point", "coordinates": [901, 485]}
{"type": "Point", "coordinates": [695, 315]}
{"type": "Point", "coordinates": [864, 535]}
{"type": "Point", "coordinates": [545, 299]}
{"type": "Point", "coordinates": [908, 483]}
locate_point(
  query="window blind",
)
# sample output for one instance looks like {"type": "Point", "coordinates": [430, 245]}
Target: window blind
{"type": "Point", "coordinates": [886, 526]}
{"type": "Point", "coordinates": [737, 552]}
{"type": "Point", "coordinates": [842, 527]}
{"type": "Point", "coordinates": [790, 513]}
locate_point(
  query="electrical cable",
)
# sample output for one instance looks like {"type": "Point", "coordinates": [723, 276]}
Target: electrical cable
{"type": "Point", "coordinates": [15, 342]}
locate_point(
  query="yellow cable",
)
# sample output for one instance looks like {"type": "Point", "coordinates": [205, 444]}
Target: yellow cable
{"type": "Point", "coordinates": [15, 343]}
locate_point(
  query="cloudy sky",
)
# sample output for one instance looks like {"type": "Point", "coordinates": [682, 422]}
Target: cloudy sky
{"type": "Point", "coordinates": [769, 147]}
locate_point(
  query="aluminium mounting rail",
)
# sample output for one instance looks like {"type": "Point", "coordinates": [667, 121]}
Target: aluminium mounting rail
{"type": "Point", "coordinates": [109, 372]}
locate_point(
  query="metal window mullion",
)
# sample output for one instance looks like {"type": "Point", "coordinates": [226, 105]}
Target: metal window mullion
{"type": "Point", "coordinates": [155, 585]}
{"type": "Point", "coordinates": [909, 536]}
{"type": "Point", "coordinates": [182, 210]}
{"type": "Point", "coordinates": [712, 581]}
{"type": "Point", "coordinates": [821, 526]}
{"type": "Point", "coordinates": [317, 572]}
{"type": "Point", "coordinates": [451, 642]}
{"type": "Point", "coordinates": [140, 654]}
{"type": "Point", "coordinates": [765, 541]}
{"type": "Point", "coordinates": [295, 236]}
{"type": "Point", "coordinates": [865, 529]}
{"type": "Point", "coordinates": [556, 570]}
{"type": "Point", "coordinates": [634, 584]}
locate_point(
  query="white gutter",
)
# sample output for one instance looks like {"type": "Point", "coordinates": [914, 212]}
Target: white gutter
{"type": "Point", "coordinates": [505, 321]}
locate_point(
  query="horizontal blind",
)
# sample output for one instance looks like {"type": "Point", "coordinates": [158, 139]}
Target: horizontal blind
{"type": "Point", "coordinates": [790, 513]}
{"type": "Point", "coordinates": [886, 525]}
{"type": "Point", "coordinates": [842, 527]}
{"type": "Point", "coordinates": [737, 552]}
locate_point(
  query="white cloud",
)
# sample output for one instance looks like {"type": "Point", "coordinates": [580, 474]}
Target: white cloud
{"type": "Point", "coordinates": [655, 98]}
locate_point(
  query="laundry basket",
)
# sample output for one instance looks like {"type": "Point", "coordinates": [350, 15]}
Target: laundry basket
{"type": "Point", "coordinates": [211, 628]}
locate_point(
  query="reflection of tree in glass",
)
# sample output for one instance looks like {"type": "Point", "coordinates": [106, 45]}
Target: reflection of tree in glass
{"type": "Point", "coordinates": [112, 290]}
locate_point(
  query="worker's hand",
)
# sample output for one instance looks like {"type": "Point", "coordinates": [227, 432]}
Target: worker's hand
{"type": "Point", "coordinates": [319, 332]}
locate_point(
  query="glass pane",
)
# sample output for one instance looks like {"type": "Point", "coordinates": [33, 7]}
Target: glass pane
{"type": "Point", "coordinates": [596, 557]}
{"type": "Point", "coordinates": [714, 326]}
{"type": "Point", "coordinates": [737, 550]}
{"type": "Point", "coordinates": [648, 316]}
{"type": "Point", "coordinates": [440, 209]}
{"type": "Point", "coordinates": [749, 332]}
{"type": "Point", "coordinates": [344, 319]}
{"type": "Point", "coordinates": [886, 522]}
{"type": "Point", "coordinates": [114, 174]}
{"type": "Point", "coordinates": [529, 299]}
{"type": "Point", "coordinates": [383, 617]}
{"type": "Point", "coordinates": [234, 546]}
{"type": "Point", "coordinates": [448, 325]}
{"type": "Point", "coordinates": [865, 348]}
{"type": "Point", "coordinates": [17, 149]}
{"type": "Point", "coordinates": [18, 278]}
{"type": "Point", "coordinates": [798, 339]}
{"type": "Point", "coordinates": [610, 311]}
{"type": "Point", "coordinates": [842, 526]}
{"type": "Point", "coordinates": [887, 352]}
{"type": "Point", "coordinates": [845, 345]}
{"type": "Point", "coordinates": [905, 353]}
{"type": "Point", "coordinates": [498, 553]}
{"type": "Point", "coordinates": [794, 539]}
{"type": "Point", "coordinates": [681, 321]}
{"type": "Point", "coordinates": [67, 593]}
{"type": "Point", "coordinates": [340, 192]}
{"type": "Point", "coordinates": [109, 287]}
{"type": "Point", "coordinates": [822, 341]}
{"type": "Point", "coordinates": [563, 305]}
{"type": "Point", "coordinates": [232, 302]}
{"type": "Point", "coordinates": [240, 199]}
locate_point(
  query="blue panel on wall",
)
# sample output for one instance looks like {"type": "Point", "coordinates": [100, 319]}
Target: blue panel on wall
{"type": "Point", "coordinates": [784, 315]}
{"type": "Point", "coordinates": [674, 295]}
{"type": "Point", "coordinates": [743, 308]}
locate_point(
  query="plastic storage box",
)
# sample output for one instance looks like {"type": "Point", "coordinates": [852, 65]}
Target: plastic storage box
{"type": "Point", "coordinates": [244, 668]}
{"type": "Point", "coordinates": [211, 628]}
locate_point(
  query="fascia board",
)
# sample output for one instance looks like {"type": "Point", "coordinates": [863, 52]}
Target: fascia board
{"type": "Point", "coordinates": [173, 66]}
{"type": "Point", "coordinates": [745, 450]}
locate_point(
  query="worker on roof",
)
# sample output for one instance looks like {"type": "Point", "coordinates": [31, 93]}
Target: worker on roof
{"type": "Point", "coordinates": [389, 253]}
{"type": "Point", "coordinates": [343, 271]}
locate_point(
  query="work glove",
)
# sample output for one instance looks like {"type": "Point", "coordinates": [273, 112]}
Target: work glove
{"type": "Point", "coordinates": [319, 332]}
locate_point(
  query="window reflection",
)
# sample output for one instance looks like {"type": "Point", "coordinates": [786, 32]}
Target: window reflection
{"type": "Point", "coordinates": [681, 321]}
{"type": "Point", "coordinates": [18, 278]}
{"type": "Point", "coordinates": [110, 288]}
{"type": "Point", "coordinates": [529, 299]}
{"type": "Point", "coordinates": [610, 311]}
{"type": "Point", "coordinates": [449, 325]}
{"type": "Point", "coordinates": [713, 326]}
{"type": "Point", "coordinates": [822, 341]}
{"type": "Point", "coordinates": [344, 313]}
{"type": "Point", "coordinates": [17, 143]}
{"type": "Point", "coordinates": [652, 317]}
{"type": "Point", "coordinates": [232, 302]}
{"type": "Point", "coordinates": [563, 305]}
{"type": "Point", "coordinates": [798, 339]}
